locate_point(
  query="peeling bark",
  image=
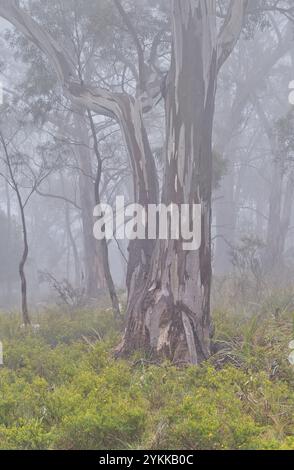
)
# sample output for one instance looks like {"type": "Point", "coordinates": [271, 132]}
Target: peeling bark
{"type": "Point", "coordinates": [171, 316]}
{"type": "Point", "coordinates": [169, 288]}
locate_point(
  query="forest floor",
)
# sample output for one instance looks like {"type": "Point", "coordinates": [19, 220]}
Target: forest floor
{"type": "Point", "coordinates": [61, 388]}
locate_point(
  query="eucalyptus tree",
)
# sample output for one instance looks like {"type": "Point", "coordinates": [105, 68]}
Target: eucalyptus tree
{"type": "Point", "coordinates": [168, 288]}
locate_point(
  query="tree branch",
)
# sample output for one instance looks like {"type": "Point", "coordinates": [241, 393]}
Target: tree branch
{"type": "Point", "coordinates": [231, 30]}
{"type": "Point", "coordinates": [133, 33]}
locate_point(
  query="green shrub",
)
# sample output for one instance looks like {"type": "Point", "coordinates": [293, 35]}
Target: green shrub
{"type": "Point", "coordinates": [62, 389]}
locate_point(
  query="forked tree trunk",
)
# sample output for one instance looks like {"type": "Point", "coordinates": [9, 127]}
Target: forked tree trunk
{"type": "Point", "coordinates": [171, 317]}
{"type": "Point", "coordinates": [146, 191]}
{"type": "Point", "coordinates": [169, 289]}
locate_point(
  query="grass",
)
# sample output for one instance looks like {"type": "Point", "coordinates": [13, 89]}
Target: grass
{"type": "Point", "coordinates": [61, 388]}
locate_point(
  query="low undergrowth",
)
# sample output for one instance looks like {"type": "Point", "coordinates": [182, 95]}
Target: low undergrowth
{"type": "Point", "coordinates": [61, 388]}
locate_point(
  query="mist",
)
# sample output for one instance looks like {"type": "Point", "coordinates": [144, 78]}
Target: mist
{"type": "Point", "coordinates": [168, 106]}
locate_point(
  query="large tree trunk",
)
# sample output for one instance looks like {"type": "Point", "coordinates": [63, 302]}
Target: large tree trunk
{"type": "Point", "coordinates": [171, 316]}
{"type": "Point", "coordinates": [169, 289]}
{"type": "Point", "coordinates": [146, 191]}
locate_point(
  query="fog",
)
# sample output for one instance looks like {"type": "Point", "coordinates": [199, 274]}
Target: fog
{"type": "Point", "coordinates": [85, 116]}
{"type": "Point", "coordinates": [146, 228]}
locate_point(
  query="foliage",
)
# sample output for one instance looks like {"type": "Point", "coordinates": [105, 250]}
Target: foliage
{"type": "Point", "coordinates": [61, 387]}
